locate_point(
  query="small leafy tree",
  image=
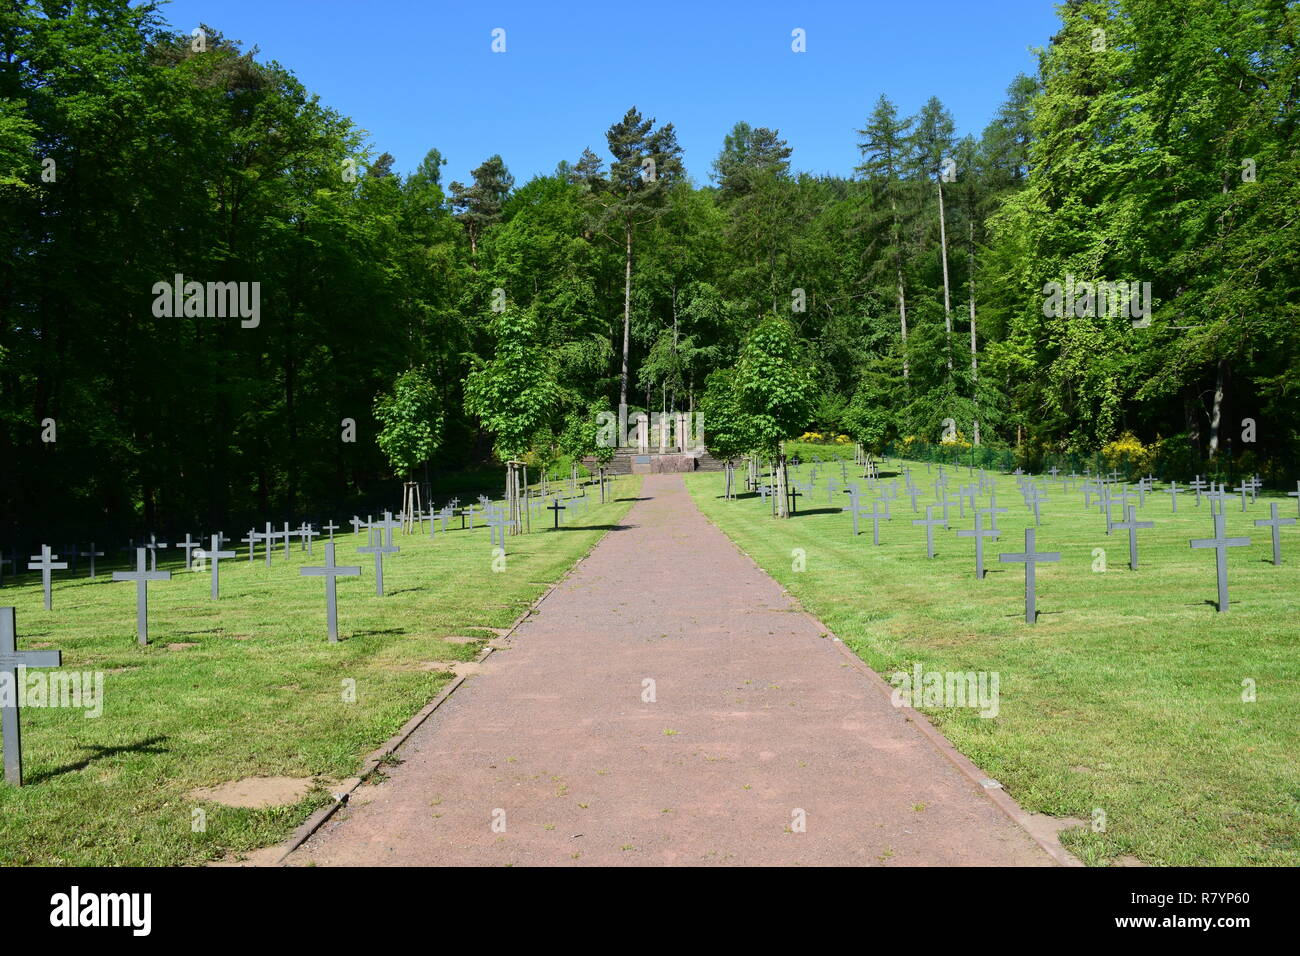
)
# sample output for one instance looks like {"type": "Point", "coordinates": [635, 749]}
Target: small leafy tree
{"type": "Point", "coordinates": [515, 394]}
{"type": "Point", "coordinates": [728, 431]}
{"type": "Point", "coordinates": [777, 389]}
{"type": "Point", "coordinates": [410, 418]}
{"type": "Point", "coordinates": [581, 437]}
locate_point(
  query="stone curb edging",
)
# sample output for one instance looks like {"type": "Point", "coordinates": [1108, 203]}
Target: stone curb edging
{"type": "Point", "coordinates": [377, 757]}
{"type": "Point", "coordinates": [982, 781]}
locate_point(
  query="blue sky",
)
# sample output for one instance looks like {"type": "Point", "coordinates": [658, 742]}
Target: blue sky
{"type": "Point", "coordinates": [420, 74]}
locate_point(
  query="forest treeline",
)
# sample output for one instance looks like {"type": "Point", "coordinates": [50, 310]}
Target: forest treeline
{"type": "Point", "coordinates": [1156, 146]}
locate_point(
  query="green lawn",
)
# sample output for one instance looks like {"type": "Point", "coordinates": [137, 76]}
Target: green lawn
{"type": "Point", "coordinates": [1125, 697]}
{"type": "Point", "coordinates": [260, 694]}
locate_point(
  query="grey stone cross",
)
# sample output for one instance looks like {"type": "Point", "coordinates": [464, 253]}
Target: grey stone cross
{"type": "Point", "coordinates": [12, 663]}
{"type": "Point", "coordinates": [1220, 543]}
{"type": "Point", "coordinates": [1030, 558]}
{"type": "Point", "coordinates": [251, 541]}
{"type": "Point", "coordinates": [497, 526]}
{"type": "Point", "coordinates": [979, 534]}
{"type": "Point", "coordinates": [874, 515]}
{"type": "Point", "coordinates": [888, 493]}
{"type": "Point", "coordinates": [141, 577]}
{"type": "Point", "coordinates": [330, 572]}
{"type": "Point", "coordinates": [1034, 498]}
{"type": "Point", "coordinates": [387, 526]}
{"type": "Point", "coordinates": [215, 554]}
{"type": "Point", "coordinates": [1245, 488]}
{"type": "Point", "coordinates": [1296, 495]}
{"type": "Point", "coordinates": [1275, 523]}
{"type": "Point", "coordinates": [188, 547]}
{"type": "Point", "coordinates": [92, 554]}
{"type": "Point", "coordinates": [944, 503]}
{"type": "Point", "coordinates": [1198, 486]}
{"type": "Point", "coordinates": [855, 507]}
{"type": "Point", "coordinates": [45, 564]}
{"type": "Point", "coordinates": [555, 507]}
{"type": "Point", "coordinates": [968, 492]}
{"type": "Point", "coordinates": [1132, 525]}
{"type": "Point", "coordinates": [331, 528]}
{"type": "Point", "coordinates": [1106, 502]}
{"type": "Point", "coordinates": [1173, 490]}
{"type": "Point", "coordinates": [379, 549]}
{"type": "Point", "coordinates": [930, 522]}
{"type": "Point", "coordinates": [1088, 489]}
{"type": "Point", "coordinates": [992, 510]}
{"type": "Point", "coordinates": [153, 546]}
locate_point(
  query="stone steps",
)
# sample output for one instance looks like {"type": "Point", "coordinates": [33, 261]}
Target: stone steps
{"type": "Point", "coordinates": [624, 459]}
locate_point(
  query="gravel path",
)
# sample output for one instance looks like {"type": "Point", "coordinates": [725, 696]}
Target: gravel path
{"type": "Point", "coordinates": [755, 715]}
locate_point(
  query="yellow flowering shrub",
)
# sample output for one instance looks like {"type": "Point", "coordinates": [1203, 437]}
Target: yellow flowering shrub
{"type": "Point", "coordinates": [1127, 449]}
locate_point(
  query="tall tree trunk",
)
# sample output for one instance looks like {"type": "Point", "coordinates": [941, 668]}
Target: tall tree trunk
{"type": "Point", "coordinates": [675, 366]}
{"type": "Point", "coordinates": [974, 361]}
{"type": "Point", "coordinates": [947, 298]}
{"type": "Point", "coordinates": [898, 268]}
{"type": "Point", "coordinates": [782, 480]}
{"type": "Point", "coordinates": [1219, 407]}
{"type": "Point", "coordinates": [902, 321]}
{"type": "Point", "coordinates": [1192, 421]}
{"type": "Point", "coordinates": [627, 309]}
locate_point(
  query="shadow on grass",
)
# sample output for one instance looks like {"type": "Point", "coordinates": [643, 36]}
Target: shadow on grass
{"type": "Point", "coordinates": [591, 527]}
{"type": "Point", "coordinates": [146, 746]}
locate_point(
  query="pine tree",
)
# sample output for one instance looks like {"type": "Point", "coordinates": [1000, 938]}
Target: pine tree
{"type": "Point", "coordinates": [883, 148]}
{"type": "Point", "coordinates": [929, 146]}
{"type": "Point", "coordinates": [647, 162]}
{"type": "Point", "coordinates": [479, 206]}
